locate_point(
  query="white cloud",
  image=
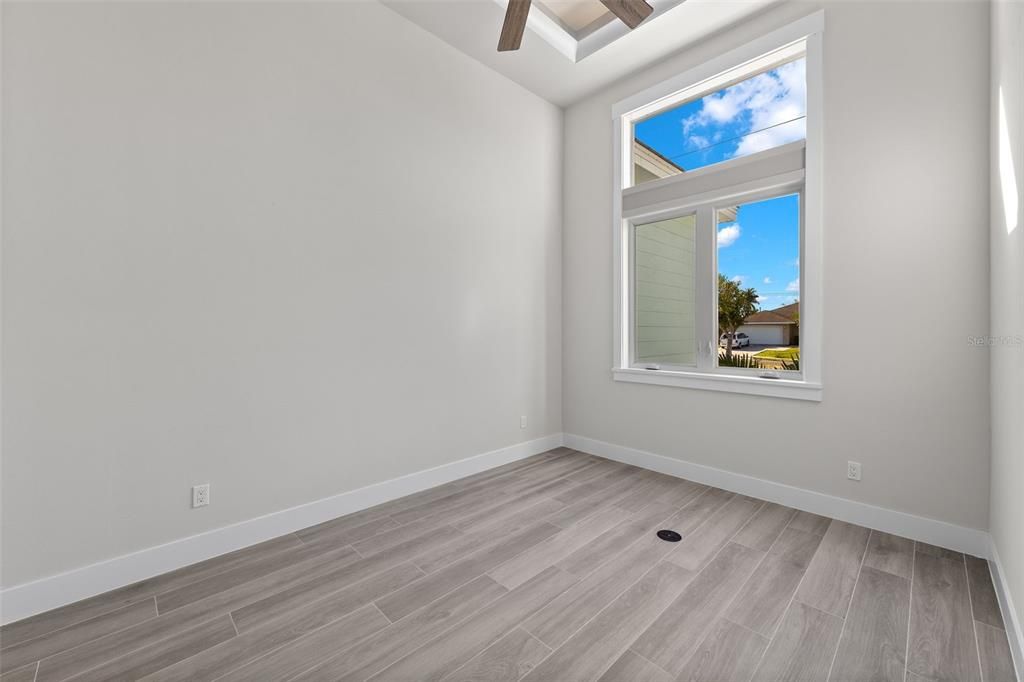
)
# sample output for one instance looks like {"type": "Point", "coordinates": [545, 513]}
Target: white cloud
{"type": "Point", "coordinates": [739, 279]}
{"type": "Point", "coordinates": [767, 280]}
{"type": "Point", "coordinates": [772, 137]}
{"type": "Point", "coordinates": [794, 286]}
{"type": "Point", "coordinates": [699, 142]}
{"type": "Point", "coordinates": [766, 100]}
{"type": "Point", "coordinates": [727, 236]}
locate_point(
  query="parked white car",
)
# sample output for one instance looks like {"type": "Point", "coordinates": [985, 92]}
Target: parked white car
{"type": "Point", "coordinates": [738, 341]}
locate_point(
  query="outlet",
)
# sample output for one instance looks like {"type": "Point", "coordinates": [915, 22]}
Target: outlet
{"type": "Point", "coordinates": [522, 422]}
{"type": "Point", "coordinates": [200, 495]}
{"type": "Point", "coordinates": [853, 471]}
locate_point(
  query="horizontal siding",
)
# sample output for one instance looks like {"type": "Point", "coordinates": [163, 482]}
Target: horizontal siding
{"type": "Point", "coordinates": [664, 271]}
{"type": "Point", "coordinates": [658, 318]}
{"type": "Point", "coordinates": [677, 333]}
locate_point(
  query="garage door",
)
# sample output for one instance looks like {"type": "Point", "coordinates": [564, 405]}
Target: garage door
{"type": "Point", "coordinates": [764, 334]}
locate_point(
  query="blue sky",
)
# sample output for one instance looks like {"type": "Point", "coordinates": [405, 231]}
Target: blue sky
{"type": "Point", "coordinates": [765, 254]}
{"type": "Point", "coordinates": [761, 248]}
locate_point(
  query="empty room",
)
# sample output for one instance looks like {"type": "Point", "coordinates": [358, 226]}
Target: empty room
{"type": "Point", "coordinates": [512, 340]}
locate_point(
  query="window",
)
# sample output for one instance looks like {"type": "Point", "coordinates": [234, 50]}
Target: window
{"type": "Point", "coordinates": [763, 111]}
{"type": "Point", "coordinates": [758, 246]}
{"type": "Point", "coordinates": [717, 214]}
{"type": "Point", "coordinates": [663, 263]}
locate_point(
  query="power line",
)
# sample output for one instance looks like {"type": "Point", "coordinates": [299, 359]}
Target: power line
{"type": "Point", "coordinates": [733, 139]}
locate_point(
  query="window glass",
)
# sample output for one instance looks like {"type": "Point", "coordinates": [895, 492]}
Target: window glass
{"type": "Point", "coordinates": [759, 284]}
{"type": "Point", "coordinates": [664, 291]}
{"type": "Point", "coordinates": [759, 113]}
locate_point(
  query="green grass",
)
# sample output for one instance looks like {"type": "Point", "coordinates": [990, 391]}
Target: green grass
{"type": "Point", "coordinates": [786, 354]}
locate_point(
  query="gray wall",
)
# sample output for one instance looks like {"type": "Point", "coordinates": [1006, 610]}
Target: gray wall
{"type": "Point", "coordinates": [289, 249]}
{"type": "Point", "coordinates": [906, 167]}
{"type": "Point", "coordinates": [1007, 515]}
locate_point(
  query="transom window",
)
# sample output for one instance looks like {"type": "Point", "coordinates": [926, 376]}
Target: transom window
{"type": "Point", "coordinates": [763, 111]}
{"type": "Point", "coordinates": [717, 219]}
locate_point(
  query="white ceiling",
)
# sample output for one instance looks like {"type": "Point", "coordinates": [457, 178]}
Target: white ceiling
{"type": "Point", "coordinates": [576, 14]}
{"type": "Point", "coordinates": [472, 26]}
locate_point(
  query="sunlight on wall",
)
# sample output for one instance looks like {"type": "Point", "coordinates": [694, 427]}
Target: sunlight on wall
{"type": "Point", "coordinates": [1007, 173]}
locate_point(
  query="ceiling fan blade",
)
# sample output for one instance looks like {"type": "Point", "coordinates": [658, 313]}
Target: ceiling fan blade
{"type": "Point", "coordinates": [631, 12]}
{"type": "Point", "coordinates": [515, 24]}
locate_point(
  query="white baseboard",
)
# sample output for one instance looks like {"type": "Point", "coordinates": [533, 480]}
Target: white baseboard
{"type": "Point", "coordinates": [1014, 631]}
{"type": "Point", "coordinates": [22, 601]}
{"type": "Point", "coordinates": [969, 540]}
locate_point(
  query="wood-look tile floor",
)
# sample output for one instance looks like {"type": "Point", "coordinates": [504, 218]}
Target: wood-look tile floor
{"type": "Point", "coordinates": [544, 569]}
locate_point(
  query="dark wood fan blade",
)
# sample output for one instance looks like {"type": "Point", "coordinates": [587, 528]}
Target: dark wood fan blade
{"type": "Point", "coordinates": [515, 24]}
{"type": "Point", "coordinates": [631, 12]}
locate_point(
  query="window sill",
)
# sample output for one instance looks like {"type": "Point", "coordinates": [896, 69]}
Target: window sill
{"type": "Point", "coordinates": [774, 388]}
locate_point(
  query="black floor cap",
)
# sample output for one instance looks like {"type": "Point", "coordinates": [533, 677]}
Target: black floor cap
{"type": "Point", "coordinates": [669, 535]}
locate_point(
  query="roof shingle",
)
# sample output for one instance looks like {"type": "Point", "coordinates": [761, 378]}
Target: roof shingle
{"type": "Point", "coordinates": [787, 314]}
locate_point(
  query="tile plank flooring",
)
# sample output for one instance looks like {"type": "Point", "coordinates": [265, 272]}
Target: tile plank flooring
{"type": "Point", "coordinates": [541, 570]}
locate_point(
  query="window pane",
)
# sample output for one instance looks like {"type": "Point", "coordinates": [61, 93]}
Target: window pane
{"type": "Point", "coordinates": [761, 112]}
{"type": "Point", "coordinates": [759, 284]}
{"type": "Point", "coordinates": [663, 268]}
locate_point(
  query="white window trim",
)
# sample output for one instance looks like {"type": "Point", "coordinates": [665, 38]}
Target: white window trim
{"type": "Point", "coordinates": [804, 34]}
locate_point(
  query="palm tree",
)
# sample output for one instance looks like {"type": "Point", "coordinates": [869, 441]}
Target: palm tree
{"type": "Point", "coordinates": [735, 304]}
{"type": "Point", "coordinates": [796, 318]}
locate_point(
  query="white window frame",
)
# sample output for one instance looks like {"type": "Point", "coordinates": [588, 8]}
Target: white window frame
{"type": "Point", "coordinates": [803, 37]}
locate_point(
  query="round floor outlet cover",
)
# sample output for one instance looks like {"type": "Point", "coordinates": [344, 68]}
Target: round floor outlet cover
{"type": "Point", "coordinates": [669, 535]}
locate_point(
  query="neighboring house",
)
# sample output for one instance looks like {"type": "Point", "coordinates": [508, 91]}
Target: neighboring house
{"type": "Point", "coordinates": [664, 303]}
{"type": "Point", "coordinates": [650, 165]}
{"type": "Point", "coordinates": [664, 276]}
{"type": "Point", "coordinates": [779, 327]}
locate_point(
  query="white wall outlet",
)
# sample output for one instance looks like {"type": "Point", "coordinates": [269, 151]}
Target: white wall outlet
{"type": "Point", "coordinates": [853, 471]}
{"type": "Point", "coordinates": [522, 422]}
{"type": "Point", "coordinates": [200, 495]}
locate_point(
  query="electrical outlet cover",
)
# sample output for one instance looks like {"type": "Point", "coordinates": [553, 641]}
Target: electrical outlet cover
{"type": "Point", "coordinates": [200, 495]}
{"type": "Point", "coordinates": [853, 471]}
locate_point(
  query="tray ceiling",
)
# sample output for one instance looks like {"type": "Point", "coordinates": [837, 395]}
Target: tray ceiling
{"type": "Point", "coordinates": [563, 64]}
